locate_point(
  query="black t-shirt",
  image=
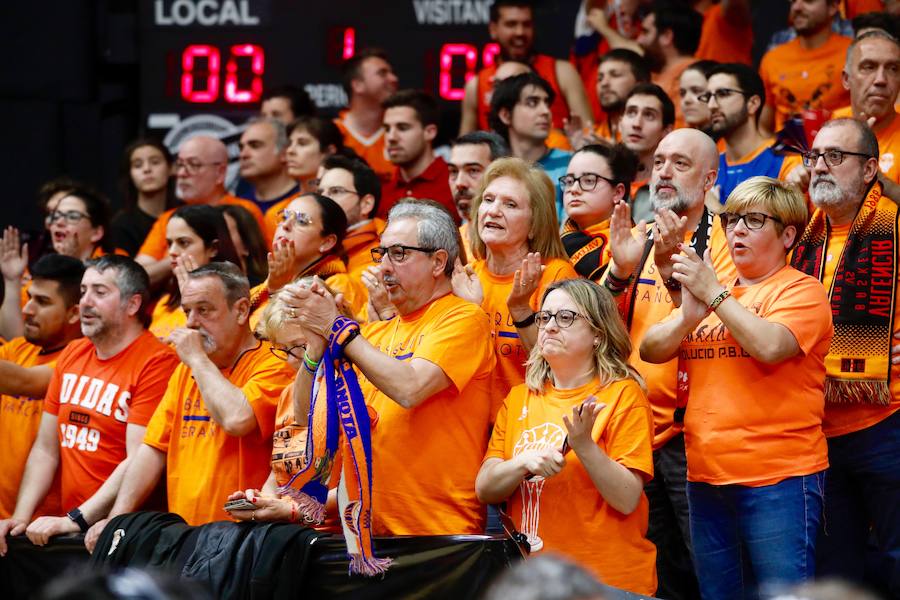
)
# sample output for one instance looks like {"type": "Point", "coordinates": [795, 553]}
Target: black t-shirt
{"type": "Point", "coordinates": [129, 228]}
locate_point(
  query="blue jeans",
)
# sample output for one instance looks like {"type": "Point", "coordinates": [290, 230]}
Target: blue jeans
{"type": "Point", "coordinates": [862, 502]}
{"type": "Point", "coordinates": [751, 542]}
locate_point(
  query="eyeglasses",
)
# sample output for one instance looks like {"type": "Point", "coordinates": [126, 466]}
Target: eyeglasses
{"type": "Point", "coordinates": [293, 216]}
{"type": "Point", "coordinates": [397, 253]}
{"type": "Point", "coordinates": [587, 182]}
{"type": "Point", "coordinates": [336, 191]}
{"type": "Point", "coordinates": [283, 354]}
{"type": "Point", "coordinates": [832, 157]}
{"type": "Point", "coordinates": [564, 318]}
{"type": "Point", "coordinates": [72, 217]}
{"type": "Point", "coordinates": [193, 166]}
{"type": "Point", "coordinates": [720, 94]}
{"type": "Point", "coordinates": [752, 220]}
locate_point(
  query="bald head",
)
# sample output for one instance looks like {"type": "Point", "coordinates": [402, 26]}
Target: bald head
{"type": "Point", "coordinates": [685, 166]}
{"type": "Point", "coordinates": [510, 68]}
{"type": "Point", "coordinates": [200, 170]}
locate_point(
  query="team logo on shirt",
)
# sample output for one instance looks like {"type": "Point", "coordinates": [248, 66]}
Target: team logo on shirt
{"type": "Point", "coordinates": [541, 437]}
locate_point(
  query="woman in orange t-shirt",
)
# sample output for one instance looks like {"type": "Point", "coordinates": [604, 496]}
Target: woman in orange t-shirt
{"type": "Point", "coordinates": [571, 449]}
{"type": "Point", "coordinates": [290, 344]}
{"type": "Point", "coordinates": [197, 234]}
{"type": "Point", "coordinates": [598, 177]}
{"type": "Point", "coordinates": [752, 369]}
{"type": "Point", "coordinates": [517, 251]}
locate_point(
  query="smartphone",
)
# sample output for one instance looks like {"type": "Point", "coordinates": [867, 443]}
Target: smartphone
{"type": "Point", "coordinates": [241, 504]}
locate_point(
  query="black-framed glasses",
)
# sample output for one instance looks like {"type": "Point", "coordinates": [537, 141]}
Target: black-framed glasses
{"type": "Point", "coordinates": [71, 217]}
{"type": "Point", "coordinates": [336, 190]}
{"type": "Point", "coordinates": [297, 217]}
{"type": "Point", "coordinates": [587, 182]}
{"type": "Point", "coordinates": [564, 318]}
{"type": "Point", "coordinates": [283, 354]}
{"type": "Point", "coordinates": [397, 253]}
{"type": "Point", "coordinates": [752, 220]}
{"type": "Point", "coordinates": [719, 94]}
{"type": "Point", "coordinates": [832, 157]}
{"type": "Point", "coordinates": [193, 166]}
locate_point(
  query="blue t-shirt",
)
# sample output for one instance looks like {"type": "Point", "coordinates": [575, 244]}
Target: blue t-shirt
{"type": "Point", "coordinates": [555, 164]}
{"type": "Point", "coordinates": [730, 176]}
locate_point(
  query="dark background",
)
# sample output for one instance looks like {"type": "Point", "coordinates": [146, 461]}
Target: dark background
{"type": "Point", "coordinates": [75, 82]}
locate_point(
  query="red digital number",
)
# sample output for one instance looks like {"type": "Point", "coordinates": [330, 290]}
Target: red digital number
{"type": "Point", "coordinates": [192, 73]}
{"type": "Point", "coordinates": [189, 73]}
{"type": "Point", "coordinates": [234, 94]}
{"type": "Point", "coordinates": [349, 43]}
{"type": "Point", "coordinates": [470, 54]}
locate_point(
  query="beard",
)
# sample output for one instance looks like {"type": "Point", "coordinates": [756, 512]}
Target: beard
{"type": "Point", "coordinates": [679, 202]}
{"type": "Point", "coordinates": [825, 192]}
{"type": "Point", "coordinates": [616, 106]}
{"type": "Point", "coordinates": [730, 123]}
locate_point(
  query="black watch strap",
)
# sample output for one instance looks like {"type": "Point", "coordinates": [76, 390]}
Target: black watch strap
{"type": "Point", "coordinates": [78, 519]}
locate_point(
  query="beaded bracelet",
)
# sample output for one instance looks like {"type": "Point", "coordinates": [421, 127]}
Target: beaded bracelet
{"type": "Point", "coordinates": [718, 300]}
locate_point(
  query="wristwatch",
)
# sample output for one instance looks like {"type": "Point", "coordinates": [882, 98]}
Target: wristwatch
{"type": "Point", "coordinates": [78, 518]}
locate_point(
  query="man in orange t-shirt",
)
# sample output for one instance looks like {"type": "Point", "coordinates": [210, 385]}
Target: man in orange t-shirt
{"type": "Point", "coordinates": [727, 34]}
{"type": "Point", "coordinates": [26, 366]}
{"type": "Point", "coordinates": [670, 36]}
{"type": "Point", "coordinates": [356, 188]}
{"type": "Point", "coordinates": [426, 380]}
{"type": "Point", "coordinates": [368, 80]}
{"type": "Point", "coordinates": [862, 484]}
{"type": "Point", "coordinates": [511, 26]}
{"type": "Point", "coordinates": [617, 74]}
{"type": "Point", "coordinates": [101, 396]}
{"type": "Point", "coordinates": [212, 431]}
{"type": "Point", "coordinates": [200, 179]}
{"type": "Point", "coordinates": [687, 165]}
{"type": "Point", "coordinates": [805, 73]}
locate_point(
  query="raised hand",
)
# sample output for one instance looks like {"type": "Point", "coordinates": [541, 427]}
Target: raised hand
{"type": "Point", "coordinates": [580, 425]}
{"type": "Point", "coordinates": [626, 249]}
{"type": "Point", "coordinates": [13, 258]}
{"type": "Point", "coordinates": [283, 267]}
{"type": "Point", "coordinates": [696, 274]}
{"type": "Point", "coordinates": [373, 279]}
{"type": "Point", "coordinates": [526, 282]}
{"type": "Point", "coordinates": [465, 283]}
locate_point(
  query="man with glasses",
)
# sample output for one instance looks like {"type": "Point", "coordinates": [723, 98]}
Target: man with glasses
{"type": "Point", "coordinates": [850, 245]}
{"type": "Point", "coordinates": [736, 96]}
{"type": "Point", "coordinates": [212, 431]}
{"type": "Point", "coordinates": [355, 187]}
{"type": "Point", "coordinates": [640, 276]}
{"type": "Point", "coordinates": [200, 179]}
{"type": "Point", "coordinates": [425, 378]}
{"type": "Point", "coordinates": [805, 72]}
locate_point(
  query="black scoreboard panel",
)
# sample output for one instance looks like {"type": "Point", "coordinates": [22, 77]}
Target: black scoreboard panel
{"type": "Point", "coordinates": [217, 57]}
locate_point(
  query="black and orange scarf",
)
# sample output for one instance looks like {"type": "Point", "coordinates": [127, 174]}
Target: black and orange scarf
{"type": "Point", "coordinates": [863, 293]}
{"type": "Point", "coordinates": [587, 248]}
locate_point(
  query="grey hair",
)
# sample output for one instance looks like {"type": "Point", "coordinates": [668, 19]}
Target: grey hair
{"type": "Point", "coordinates": [869, 35]}
{"type": "Point", "coordinates": [546, 577]}
{"type": "Point", "coordinates": [435, 227]}
{"type": "Point", "coordinates": [131, 279]}
{"type": "Point", "coordinates": [496, 144]}
{"type": "Point", "coordinates": [233, 279]}
{"type": "Point", "coordinates": [868, 143]}
{"type": "Point", "coordinates": [281, 136]}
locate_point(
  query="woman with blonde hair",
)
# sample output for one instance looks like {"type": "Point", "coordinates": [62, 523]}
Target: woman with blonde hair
{"type": "Point", "coordinates": [571, 448]}
{"type": "Point", "coordinates": [517, 253]}
{"type": "Point", "coordinates": [752, 370]}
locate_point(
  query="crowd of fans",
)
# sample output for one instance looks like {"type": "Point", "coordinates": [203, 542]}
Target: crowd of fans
{"type": "Point", "coordinates": [645, 309]}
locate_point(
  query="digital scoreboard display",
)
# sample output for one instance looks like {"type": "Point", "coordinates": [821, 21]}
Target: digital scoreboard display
{"type": "Point", "coordinates": [219, 56]}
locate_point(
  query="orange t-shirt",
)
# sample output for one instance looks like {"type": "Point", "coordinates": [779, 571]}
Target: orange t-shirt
{"type": "Point", "coordinates": [723, 42]}
{"type": "Point", "coordinates": [653, 304]}
{"type": "Point", "coordinates": [165, 320]}
{"type": "Point", "coordinates": [797, 79]}
{"type": "Point", "coordinates": [370, 149]}
{"type": "Point", "coordinates": [20, 419]}
{"type": "Point", "coordinates": [155, 243]}
{"type": "Point", "coordinates": [747, 422]}
{"type": "Point", "coordinates": [848, 417]}
{"type": "Point", "coordinates": [203, 463]}
{"type": "Point", "coordinates": [511, 354]}
{"type": "Point", "coordinates": [566, 513]}
{"type": "Point", "coordinates": [557, 139]}
{"type": "Point", "coordinates": [888, 144]}
{"type": "Point", "coordinates": [94, 401]}
{"type": "Point", "coordinates": [425, 459]}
